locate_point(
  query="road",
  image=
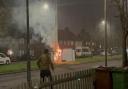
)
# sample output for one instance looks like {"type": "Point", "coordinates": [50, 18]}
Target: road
{"type": "Point", "coordinates": [10, 80]}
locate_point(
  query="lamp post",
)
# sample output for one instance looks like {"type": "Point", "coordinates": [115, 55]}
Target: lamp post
{"type": "Point", "coordinates": [105, 28]}
{"type": "Point", "coordinates": [56, 21]}
{"type": "Point", "coordinates": [28, 46]}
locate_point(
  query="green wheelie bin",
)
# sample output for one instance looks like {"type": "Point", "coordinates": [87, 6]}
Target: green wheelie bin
{"type": "Point", "coordinates": [120, 78]}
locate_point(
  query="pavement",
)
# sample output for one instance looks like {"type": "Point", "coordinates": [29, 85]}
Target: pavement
{"type": "Point", "coordinates": [10, 80]}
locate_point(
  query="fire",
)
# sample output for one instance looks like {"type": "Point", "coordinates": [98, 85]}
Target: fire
{"type": "Point", "coordinates": [57, 54]}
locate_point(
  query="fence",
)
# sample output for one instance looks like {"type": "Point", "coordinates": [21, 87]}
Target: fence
{"type": "Point", "coordinates": [74, 80]}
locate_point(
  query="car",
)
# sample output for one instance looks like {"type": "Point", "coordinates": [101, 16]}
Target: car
{"type": "Point", "coordinates": [83, 51]}
{"type": "Point", "coordinates": [103, 53]}
{"type": "Point", "coordinates": [4, 59]}
{"type": "Point", "coordinates": [114, 52]}
{"type": "Point", "coordinates": [96, 52]}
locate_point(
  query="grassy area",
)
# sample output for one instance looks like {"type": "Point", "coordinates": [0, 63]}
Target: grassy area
{"type": "Point", "coordinates": [21, 66]}
{"type": "Point", "coordinates": [97, 58]}
{"type": "Point", "coordinates": [16, 67]}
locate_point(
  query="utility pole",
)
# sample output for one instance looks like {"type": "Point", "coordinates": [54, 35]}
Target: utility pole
{"type": "Point", "coordinates": [56, 21]}
{"type": "Point", "coordinates": [105, 28]}
{"type": "Point", "coordinates": [28, 46]}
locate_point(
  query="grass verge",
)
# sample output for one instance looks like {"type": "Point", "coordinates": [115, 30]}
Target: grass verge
{"type": "Point", "coordinates": [21, 66]}
{"type": "Point", "coordinates": [97, 59]}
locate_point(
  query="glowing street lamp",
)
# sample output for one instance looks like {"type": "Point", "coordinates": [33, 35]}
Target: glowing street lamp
{"type": "Point", "coordinates": [103, 22]}
{"type": "Point", "coordinates": [45, 6]}
{"type": "Point", "coordinates": [105, 26]}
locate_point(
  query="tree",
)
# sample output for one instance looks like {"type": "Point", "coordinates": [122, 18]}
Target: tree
{"type": "Point", "coordinates": [4, 18]}
{"type": "Point", "coordinates": [123, 14]}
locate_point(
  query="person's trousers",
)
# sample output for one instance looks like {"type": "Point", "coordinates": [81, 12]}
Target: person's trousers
{"type": "Point", "coordinates": [45, 74]}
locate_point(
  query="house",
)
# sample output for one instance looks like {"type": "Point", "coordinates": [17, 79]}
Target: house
{"type": "Point", "coordinates": [67, 39]}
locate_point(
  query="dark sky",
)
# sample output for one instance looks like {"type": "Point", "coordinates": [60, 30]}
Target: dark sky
{"type": "Point", "coordinates": [78, 14]}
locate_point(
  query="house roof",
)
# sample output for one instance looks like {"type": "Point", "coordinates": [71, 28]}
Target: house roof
{"type": "Point", "coordinates": [67, 35]}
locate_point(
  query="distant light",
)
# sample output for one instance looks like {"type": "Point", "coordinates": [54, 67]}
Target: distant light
{"type": "Point", "coordinates": [103, 22]}
{"type": "Point", "coordinates": [78, 79]}
{"type": "Point", "coordinates": [93, 43]}
{"type": "Point", "coordinates": [10, 52]}
{"type": "Point", "coordinates": [100, 46]}
{"type": "Point", "coordinates": [127, 50]}
{"type": "Point", "coordinates": [45, 6]}
{"type": "Point", "coordinates": [35, 87]}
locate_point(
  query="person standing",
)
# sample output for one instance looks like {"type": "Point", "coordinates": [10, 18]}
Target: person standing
{"type": "Point", "coordinates": [45, 65]}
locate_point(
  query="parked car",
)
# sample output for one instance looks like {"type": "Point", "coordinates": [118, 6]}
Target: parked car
{"type": "Point", "coordinates": [83, 51]}
{"type": "Point", "coordinates": [96, 52]}
{"type": "Point", "coordinates": [4, 59]}
{"type": "Point", "coordinates": [114, 52]}
{"type": "Point", "coordinates": [103, 53]}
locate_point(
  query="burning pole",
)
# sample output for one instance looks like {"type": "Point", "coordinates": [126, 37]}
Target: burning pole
{"type": "Point", "coordinates": [28, 46]}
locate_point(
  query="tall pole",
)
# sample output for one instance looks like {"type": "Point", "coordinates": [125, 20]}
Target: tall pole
{"type": "Point", "coordinates": [56, 22]}
{"type": "Point", "coordinates": [28, 46]}
{"type": "Point", "coordinates": [105, 27]}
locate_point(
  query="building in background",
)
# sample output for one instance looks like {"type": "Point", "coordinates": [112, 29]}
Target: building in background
{"type": "Point", "coordinates": [67, 39]}
{"type": "Point", "coordinates": [16, 48]}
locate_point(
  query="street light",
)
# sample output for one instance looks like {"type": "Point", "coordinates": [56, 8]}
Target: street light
{"type": "Point", "coordinates": [28, 46]}
{"type": "Point", "coordinates": [103, 22]}
{"type": "Point", "coordinates": [45, 6]}
{"type": "Point", "coordinates": [105, 28]}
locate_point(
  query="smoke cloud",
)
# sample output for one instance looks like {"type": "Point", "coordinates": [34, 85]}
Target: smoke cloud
{"type": "Point", "coordinates": [42, 15]}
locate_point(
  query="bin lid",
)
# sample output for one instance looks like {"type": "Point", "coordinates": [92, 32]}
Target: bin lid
{"type": "Point", "coordinates": [119, 69]}
{"type": "Point", "coordinates": [101, 68]}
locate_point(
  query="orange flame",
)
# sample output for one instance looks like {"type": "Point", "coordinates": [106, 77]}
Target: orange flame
{"type": "Point", "coordinates": [57, 54]}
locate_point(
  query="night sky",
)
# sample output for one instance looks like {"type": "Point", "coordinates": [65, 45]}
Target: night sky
{"type": "Point", "coordinates": [75, 14]}
{"type": "Point", "coordinates": [78, 14]}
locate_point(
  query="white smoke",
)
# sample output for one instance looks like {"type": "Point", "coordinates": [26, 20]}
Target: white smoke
{"type": "Point", "coordinates": [42, 20]}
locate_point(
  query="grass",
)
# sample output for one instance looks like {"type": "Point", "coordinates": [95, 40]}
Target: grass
{"type": "Point", "coordinates": [97, 59]}
{"type": "Point", "coordinates": [21, 66]}
{"type": "Point", "coordinates": [16, 67]}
